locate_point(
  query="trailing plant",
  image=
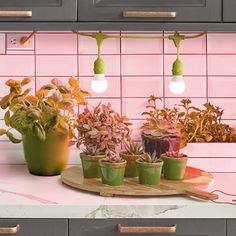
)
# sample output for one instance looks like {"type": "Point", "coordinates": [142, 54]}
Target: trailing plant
{"type": "Point", "coordinates": [150, 158]}
{"type": "Point", "coordinates": [50, 109]}
{"type": "Point", "coordinates": [133, 148]}
{"type": "Point", "coordinates": [175, 154]}
{"type": "Point", "coordinates": [101, 130]}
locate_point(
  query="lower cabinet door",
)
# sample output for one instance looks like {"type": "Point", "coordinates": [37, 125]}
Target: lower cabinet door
{"type": "Point", "coordinates": [34, 227]}
{"type": "Point", "coordinates": [231, 227]}
{"type": "Point", "coordinates": [141, 227]}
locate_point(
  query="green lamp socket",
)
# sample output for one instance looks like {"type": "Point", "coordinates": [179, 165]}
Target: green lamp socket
{"type": "Point", "coordinates": [177, 67]}
{"type": "Point", "coordinates": [99, 66]}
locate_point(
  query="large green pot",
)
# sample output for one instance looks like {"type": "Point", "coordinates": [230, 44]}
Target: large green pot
{"type": "Point", "coordinates": [131, 169]}
{"type": "Point", "coordinates": [149, 173]}
{"type": "Point", "coordinates": [46, 158]}
{"type": "Point", "coordinates": [90, 164]}
{"type": "Point", "coordinates": [174, 168]}
{"type": "Point", "coordinates": [112, 173]}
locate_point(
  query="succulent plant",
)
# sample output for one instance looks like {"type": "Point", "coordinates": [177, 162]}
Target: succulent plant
{"type": "Point", "coordinates": [175, 154]}
{"type": "Point", "coordinates": [101, 130]}
{"type": "Point", "coordinates": [52, 108]}
{"type": "Point", "coordinates": [114, 157]}
{"type": "Point", "coordinates": [150, 158]}
{"type": "Point", "coordinates": [133, 148]}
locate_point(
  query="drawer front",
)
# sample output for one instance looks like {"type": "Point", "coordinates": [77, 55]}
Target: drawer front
{"type": "Point", "coordinates": [38, 10]}
{"type": "Point", "coordinates": [34, 227]}
{"type": "Point", "coordinates": [231, 227]}
{"type": "Point", "coordinates": [229, 8]}
{"type": "Point", "coordinates": [150, 10]}
{"type": "Point", "coordinates": [184, 227]}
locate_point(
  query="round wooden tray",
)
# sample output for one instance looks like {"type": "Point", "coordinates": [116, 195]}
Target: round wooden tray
{"type": "Point", "coordinates": [194, 177]}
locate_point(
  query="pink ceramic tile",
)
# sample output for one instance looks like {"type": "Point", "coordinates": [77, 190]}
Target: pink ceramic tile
{"type": "Point", "coordinates": [89, 46]}
{"type": "Point", "coordinates": [17, 65]}
{"type": "Point", "coordinates": [133, 107]}
{"type": "Point", "coordinates": [113, 89]}
{"type": "Point", "coordinates": [190, 46]}
{"type": "Point", "coordinates": [175, 102]}
{"type": "Point", "coordinates": [193, 64]}
{"type": "Point", "coordinates": [112, 65]}
{"type": "Point", "coordinates": [221, 43]}
{"type": "Point", "coordinates": [142, 65]}
{"type": "Point", "coordinates": [222, 64]}
{"type": "Point", "coordinates": [215, 85]}
{"type": "Point", "coordinates": [195, 87]}
{"type": "Point", "coordinates": [56, 43]}
{"type": "Point", "coordinates": [142, 86]}
{"type": "Point", "coordinates": [142, 46]}
{"type": "Point", "coordinates": [136, 132]}
{"type": "Point", "coordinates": [56, 65]}
{"type": "Point", "coordinates": [228, 105]}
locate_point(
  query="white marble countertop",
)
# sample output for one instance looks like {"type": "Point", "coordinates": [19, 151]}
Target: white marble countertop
{"type": "Point", "coordinates": [26, 196]}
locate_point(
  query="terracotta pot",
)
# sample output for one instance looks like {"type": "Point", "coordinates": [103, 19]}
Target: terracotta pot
{"type": "Point", "coordinates": [112, 173]}
{"type": "Point", "coordinates": [46, 158]}
{"type": "Point", "coordinates": [131, 166]}
{"type": "Point", "coordinates": [174, 168]}
{"type": "Point", "coordinates": [90, 165]}
{"type": "Point", "coordinates": [149, 173]}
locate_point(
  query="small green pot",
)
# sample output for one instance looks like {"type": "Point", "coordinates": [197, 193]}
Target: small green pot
{"type": "Point", "coordinates": [174, 168]}
{"type": "Point", "coordinates": [90, 164]}
{"type": "Point", "coordinates": [112, 173]}
{"type": "Point", "coordinates": [131, 169]}
{"type": "Point", "coordinates": [46, 158]}
{"type": "Point", "coordinates": [149, 173]}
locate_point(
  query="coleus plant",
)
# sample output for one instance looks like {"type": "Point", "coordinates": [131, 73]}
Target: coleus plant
{"type": "Point", "coordinates": [101, 130]}
{"type": "Point", "coordinates": [50, 109]}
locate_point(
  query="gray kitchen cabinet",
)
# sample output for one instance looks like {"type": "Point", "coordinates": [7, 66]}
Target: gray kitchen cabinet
{"type": "Point", "coordinates": [229, 9]}
{"type": "Point", "coordinates": [150, 10]}
{"type": "Point", "coordinates": [34, 227]}
{"type": "Point", "coordinates": [231, 227]}
{"type": "Point", "coordinates": [38, 10]}
{"type": "Point", "coordinates": [184, 227]}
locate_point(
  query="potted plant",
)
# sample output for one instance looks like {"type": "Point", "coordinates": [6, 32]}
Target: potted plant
{"type": "Point", "coordinates": [159, 129]}
{"type": "Point", "coordinates": [133, 151]}
{"type": "Point", "coordinates": [149, 169]}
{"type": "Point", "coordinates": [100, 130]}
{"type": "Point", "coordinates": [174, 165]}
{"type": "Point", "coordinates": [45, 121]}
{"type": "Point", "coordinates": [113, 169]}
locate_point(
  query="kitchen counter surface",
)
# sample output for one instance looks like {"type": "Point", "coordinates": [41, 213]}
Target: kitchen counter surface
{"type": "Point", "coordinates": [23, 195]}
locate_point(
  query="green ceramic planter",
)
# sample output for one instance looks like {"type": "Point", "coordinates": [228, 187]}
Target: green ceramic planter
{"type": "Point", "coordinates": [174, 168]}
{"type": "Point", "coordinates": [46, 158]}
{"type": "Point", "coordinates": [131, 169]}
{"type": "Point", "coordinates": [90, 164]}
{"type": "Point", "coordinates": [149, 173]}
{"type": "Point", "coordinates": [112, 173]}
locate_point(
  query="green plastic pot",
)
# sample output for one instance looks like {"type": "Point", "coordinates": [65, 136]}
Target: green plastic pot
{"type": "Point", "coordinates": [112, 173]}
{"type": "Point", "coordinates": [149, 173]}
{"type": "Point", "coordinates": [131, 169]}
{"type": "Point", "coordinates": [174, 168]}
{"type": "Point", "coordinates": [90, 165]}
{"type": "Point", "coordinates": [46, 158]}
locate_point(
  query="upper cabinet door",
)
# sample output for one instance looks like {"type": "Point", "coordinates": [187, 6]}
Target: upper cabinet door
{"type": "Point", "coordinates": [150, 10]}
{"type": "Point", "coordinates": [229, 9]}
{"type": "Point", "coordinates": [38, 10]}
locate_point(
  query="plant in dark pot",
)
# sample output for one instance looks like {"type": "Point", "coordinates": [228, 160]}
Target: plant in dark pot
{"type": "Point", "coordinates": [133, 151]}
{"type": "Point", "coordinates": [149, 169]}
{"type": "Point", "coordinates": [174, 165]}
{"type": "Point", "coordinates": [100, 130]}
{"type": "Point", "coordinates": [160, 129]}
{"type": "Point", "coordinates": [45, 121]}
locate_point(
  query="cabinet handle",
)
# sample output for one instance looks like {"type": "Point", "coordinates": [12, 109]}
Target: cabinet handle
{"type": "Point", "coordinates": [149, 14]}
{"type": "Point", "coordinates": [146, 230]}
{"type": "Point", "coordinates": [16, 13]}
{"type": "Point", "coordinates": [9, 230]}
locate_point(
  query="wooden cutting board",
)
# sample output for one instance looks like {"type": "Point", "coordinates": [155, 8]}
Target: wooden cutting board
{"type": "Point", "coordinates": [193, 180]}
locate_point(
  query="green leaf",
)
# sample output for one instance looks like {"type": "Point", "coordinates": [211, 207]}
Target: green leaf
{"type": "Point", "coordinates": [39, 131]}
{"type": "Point", "coordinates": [7, 118]}
{"type": "Point", "coordinates": [2, 132]}
{"type": "Point", "coordinates": [12, 138]}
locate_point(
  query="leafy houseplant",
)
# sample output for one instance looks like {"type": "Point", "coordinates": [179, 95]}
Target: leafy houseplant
{"type": "Point", "coordinates": [174, 165]}
{"type": "Point", "coordinates": [100, 131]}
{"type": "Point", "coordinates": [149, 169]}
{"type": "Point", "coordinates": [46, 122]}
{"type": "Point", "coordinates": [133, 151]}
{"type": "Point", "coordinates": [159, 129]}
